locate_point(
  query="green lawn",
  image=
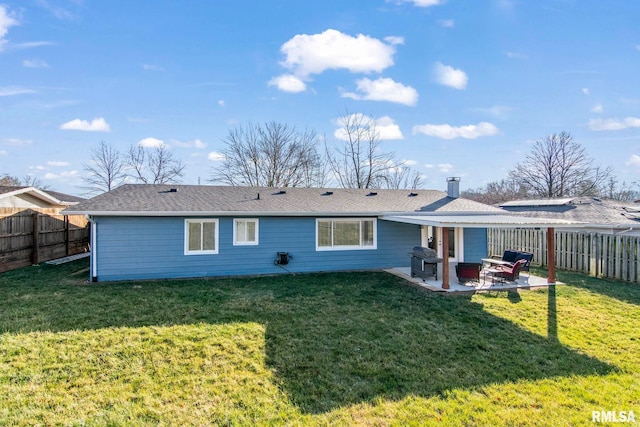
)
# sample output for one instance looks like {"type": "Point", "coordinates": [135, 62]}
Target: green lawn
{"type": "Point", "coordinates": [316, 349]}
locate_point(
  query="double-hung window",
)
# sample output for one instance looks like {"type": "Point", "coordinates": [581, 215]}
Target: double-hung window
{"type": "Point", "coordinates": [200, 236]}
{"type": "Point", "coordinates": [345, 233]}
{"type": "Point", "coordinates": [245, 231]}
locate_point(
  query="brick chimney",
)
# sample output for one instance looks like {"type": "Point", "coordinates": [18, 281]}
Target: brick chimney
{"type": "Point", "coordinates": [453, 187]}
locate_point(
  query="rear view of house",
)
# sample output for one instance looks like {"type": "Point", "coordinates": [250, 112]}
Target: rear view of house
{"type": "Point", "coordinates": [161, 231]}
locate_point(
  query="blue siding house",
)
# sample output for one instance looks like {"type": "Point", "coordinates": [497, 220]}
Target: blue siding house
{"type": "Point", "coordinates": [144, 231]}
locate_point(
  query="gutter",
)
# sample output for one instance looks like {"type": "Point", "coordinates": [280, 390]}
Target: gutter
{"type": "Point", "coordinates": [276, 213]}
{"type": "Point", "coordinates": [624, 231]}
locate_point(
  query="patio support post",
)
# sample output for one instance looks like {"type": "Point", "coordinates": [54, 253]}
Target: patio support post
{"type": "Point", "coordinates": [445, 257]}
{"type": "Point", "coordinates": [551, 255]}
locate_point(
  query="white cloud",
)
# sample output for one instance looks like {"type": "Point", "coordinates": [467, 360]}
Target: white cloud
{"type": "Point", "coordinates": [383, 89]}
{"type": "Point", "coordinates": [410, 162]}
{"type": "Point", "coordinates": [57, 164]}
{"type": "Point", "coordinates": [634, 161]}
{"type": "Point", "coordinates": [221, 103]}
{"type": "Point", "coordinates": [15, 90]}
{"type": "Point", "coordinates": [447, 23]}
{"type": "Point", "coordinates": [516, 55]}
{"type": "Point", "coordinates": [96, 125]}
{"type": "Point", "coordinates": [3, 153]}
{"type": "Point", "coordinates": [17, 141]}
{"type": "Point", "coordinates": [214, 156]}
{"type": "Point", "coordinates": [331, 50]}
{"type": "Point", "coordinates": [61, 176]}
{"type": "Point", "coordinates": [450, 132]}
{"type": "Point", "coordinates": [598, 108]}
{"type": "Point", "coordinates": [613, 124]}
{"type": "Point", "coordinates": [421, 3]}
{"type": "Point", "coordinates": [6, 22]}
{"type": "Point", "coordinates": [288, 83]}
{"type": "Point", "coordinates": [151, 142]}
{"type": "Point", "coordinates": [449, 76]}
{"type": "Point", "coordinates": [152, 67]}
{"type": "Point", "coordinates": [34, 63]}
{"type": "Point", "coordinates": [30, 45]}
{"type": "Point", "coordinates": [445, 167]}
{"type": "Point", "coordinates": [429, 166]}
{"type": "Point", "coordinates": [497, 111]}
{"type": "Point", "coordinates": [195, 143]}
{"type": "Point", "coordinates": [385, 126]}
{"type": "Point", "coordinates": [394, 40]}
{"type": "Point", "coordinates": [585, 90]}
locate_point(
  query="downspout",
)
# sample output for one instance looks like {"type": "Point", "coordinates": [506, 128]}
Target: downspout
{"type": "Point", "coordinates": [94, 249]}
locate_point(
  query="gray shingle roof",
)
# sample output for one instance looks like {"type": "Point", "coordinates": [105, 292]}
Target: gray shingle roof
{"type": "Point", "coordinates": [583, 209]}
{"type": "Point", "coordinates": [141, 199]}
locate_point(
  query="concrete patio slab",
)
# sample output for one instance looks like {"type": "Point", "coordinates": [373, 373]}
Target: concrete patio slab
{"type": "Point", "coordinates": [485, 284]}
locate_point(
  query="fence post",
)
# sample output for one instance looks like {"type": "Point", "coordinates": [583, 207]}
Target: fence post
{"type": "Point", "coordinates": [66, 235]}
{"type": "Point", "coordinates": [36, 244]}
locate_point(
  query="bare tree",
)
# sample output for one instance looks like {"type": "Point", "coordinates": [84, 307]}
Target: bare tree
{"type": "Point", "coordinates": [270, 155]}
{"type": "Point", "coordinates": [154, 166]}
{"type": "Point", "coordinates": [105, 171]}
{"type": "Point", "coordinates": [401, 177]}
{"type": "Point", "coordinates": [498, 192]}
{"type": "Point", "coordinates": [558, 166]}
{"type": "Point", "coordinates": [33, 181]}
{"type": "Point", "coordinates": [10, 181]}
{"type": "Point", "coordinates": [27, 181]}
{"type": "Point", "coordinates": [622, 192]}
{"type": "Point", "coordinates": [359, 163]}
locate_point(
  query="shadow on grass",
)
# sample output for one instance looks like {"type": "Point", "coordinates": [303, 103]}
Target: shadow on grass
{"type": "Point", "coordinates": [332, 339]}
{"type": "Point", "coordinates": [623, 291]}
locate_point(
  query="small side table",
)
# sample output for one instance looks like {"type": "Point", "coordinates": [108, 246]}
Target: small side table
{"type": "Point", "coordinates": [492, 272]}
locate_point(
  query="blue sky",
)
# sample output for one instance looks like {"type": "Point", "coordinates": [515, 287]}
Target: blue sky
{"type": "Point", "coordinates": [459, 88]}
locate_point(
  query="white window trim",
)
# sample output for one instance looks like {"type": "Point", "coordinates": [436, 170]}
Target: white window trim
{"type": "Point", "coordinates": [186, 236]}
{"type": "Point", "coordinates": [350, 247]}
{"type": "Point", "coordinates": [235, 240]}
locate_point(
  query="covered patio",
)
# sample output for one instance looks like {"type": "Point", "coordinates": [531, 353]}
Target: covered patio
{"type": "Point", "coordinates": [447, 281]}
{"type": "Point", "coordinates": [485, 284]}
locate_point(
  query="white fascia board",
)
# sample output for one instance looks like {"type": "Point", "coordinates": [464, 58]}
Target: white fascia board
{"type": "Point", "coordinates": [216, 213]}
{"type": "Point", "coordinates": [490, 221]}
{"type": "Point", "coordinates": [33, 191]}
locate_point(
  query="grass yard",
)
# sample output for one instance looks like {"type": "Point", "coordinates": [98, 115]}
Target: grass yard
{"type": "Point", "coordinates": [317, 349]}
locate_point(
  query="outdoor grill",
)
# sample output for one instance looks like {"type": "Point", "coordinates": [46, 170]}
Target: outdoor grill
{"type": "Point", "coordinates": [424, 262]}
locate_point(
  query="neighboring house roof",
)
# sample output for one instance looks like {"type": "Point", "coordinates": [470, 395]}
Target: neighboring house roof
{"type": "Point", "coordinates": [175, 200]}
{"type": "Point", "coordinates": [53, 198]}
{"type": "Point", "coordinates": [600, 213]}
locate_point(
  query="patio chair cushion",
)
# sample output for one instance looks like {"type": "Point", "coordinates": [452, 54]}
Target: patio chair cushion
{"type": "Point", "coordinates": [468, 271]}
{"type": "Point", "coordinates": [513, 256]}
{"type": "Point", "coordinates": [511, 273]}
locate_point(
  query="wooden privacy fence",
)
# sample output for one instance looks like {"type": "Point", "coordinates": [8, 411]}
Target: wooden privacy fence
{"type": "Point", "coordinates": [29, 237]}
{"type": "Point", "coordinates": [600, 255]}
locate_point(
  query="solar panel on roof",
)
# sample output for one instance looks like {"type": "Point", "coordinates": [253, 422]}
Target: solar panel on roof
{"type": "Point", "coordinates": [535, 203]}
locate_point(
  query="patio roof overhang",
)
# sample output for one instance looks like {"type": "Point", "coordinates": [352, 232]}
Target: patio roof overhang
{"type": "Point", "coordinates": [466, 220]}
{"type": "Point", "coordinates": [481, 221]}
